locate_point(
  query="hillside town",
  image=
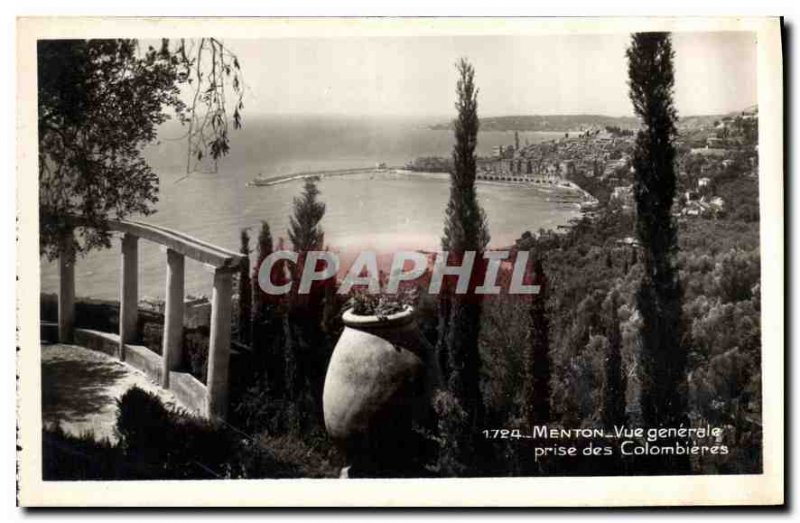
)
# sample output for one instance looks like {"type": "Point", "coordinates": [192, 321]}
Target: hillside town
{"type": "Point", "coordinates": [710, 150]}
{"type": "Point", "coordinates": [593, 152]}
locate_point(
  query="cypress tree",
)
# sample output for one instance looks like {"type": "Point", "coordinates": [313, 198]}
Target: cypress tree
{"type": "Point", "coordinates": [536, 389]}
{"type": "Point", "coordinates": [465, 230]}
{"type": "Point", "coordinates": [613, 412]}
{"type": "Point", "coordinates": [264, 245]}
{"type": "Point", "coordinates": [265, 321]}
{"type": "Point", "coordinates": [305, 231]}
{"type": "Point", "coordinates": [663, 357]}
{"type": "Point", "coordinates": [306, 352]}
{"type": "Point", "coordinates": [263, 249]}
{"type": "Point", "coordinates": [245, 296]}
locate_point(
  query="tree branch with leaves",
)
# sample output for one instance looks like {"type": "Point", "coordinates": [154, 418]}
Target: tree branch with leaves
{"type": "Point", "coordinates": [100, 102]}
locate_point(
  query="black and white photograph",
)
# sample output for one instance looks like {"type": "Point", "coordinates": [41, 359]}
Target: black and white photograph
{"type": "Point", "coordinates": [500, 250]}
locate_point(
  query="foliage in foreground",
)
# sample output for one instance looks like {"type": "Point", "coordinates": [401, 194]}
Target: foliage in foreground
{"type": "Point", "coordinates": [465, 230]}
{"type": "Point", "coordinates": [99, 103]}
{"type": "Point", "coordinates": [156, 442]}
{"type": "Point", "coordinates": [592, 274]}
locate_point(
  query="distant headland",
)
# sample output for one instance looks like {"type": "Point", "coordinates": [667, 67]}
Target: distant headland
{"type": "Point", "coordinates": [570, 122]}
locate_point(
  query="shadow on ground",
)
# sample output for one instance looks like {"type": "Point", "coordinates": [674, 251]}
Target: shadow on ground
{"type": "Point", "coordinates": [76, 389]}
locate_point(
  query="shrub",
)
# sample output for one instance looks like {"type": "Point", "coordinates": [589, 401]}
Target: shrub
{"type": "Point", "coordinates": [170, 443]}
{"type": "Point", "coordinates": [80, 458]}
{"type": "Point", "coordinates": [307, 457]}
{"type": "Point", "coordinates": [736, 274]}
{"type": "Point", "coordinates": [452, 419]}
{"type": "Point", "coordinates": [160, 443]}
{"type": "Point", "coordinates": [381, 305]}
{"type": "Point", "coordinates": [258, 411]}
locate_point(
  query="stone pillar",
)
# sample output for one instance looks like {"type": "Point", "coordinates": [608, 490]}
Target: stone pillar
{"type": "Point", "coordinates": [129, 292]}
{"type": "Point", "coordinates": [219, 346]}
{"type": "Point", "coordinates": [66, 292]}
{"type": "Point", "coordinates": [172, 348]}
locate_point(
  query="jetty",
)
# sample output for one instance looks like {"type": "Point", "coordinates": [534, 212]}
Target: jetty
{"type": "Point", "coordinates": [532, 180]}
{"type": "Point", "coordinates": [266, 182]}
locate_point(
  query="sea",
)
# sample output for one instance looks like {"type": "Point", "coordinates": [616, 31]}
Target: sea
{"type": "Point", "coordinates": [383, 210]}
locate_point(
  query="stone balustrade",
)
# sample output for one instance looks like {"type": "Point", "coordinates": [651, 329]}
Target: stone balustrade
{"type": "Point", "coordinates": [177, 246]}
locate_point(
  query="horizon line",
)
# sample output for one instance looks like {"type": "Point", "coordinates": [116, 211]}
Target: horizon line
{"type": "Point", "coordinates": [448, 117]}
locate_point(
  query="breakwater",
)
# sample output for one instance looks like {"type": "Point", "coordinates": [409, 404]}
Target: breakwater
{"type": "Point", "coordinates": [266, 182]}
{"type": "Point", "coordinates": [540, 181]}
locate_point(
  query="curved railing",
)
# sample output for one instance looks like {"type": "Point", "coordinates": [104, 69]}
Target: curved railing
{"type": "Point", "coordinates": [178, 246]}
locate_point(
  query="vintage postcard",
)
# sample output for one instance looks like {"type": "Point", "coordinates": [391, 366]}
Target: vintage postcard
{"type": "Point", "coordinates": [400, 262]}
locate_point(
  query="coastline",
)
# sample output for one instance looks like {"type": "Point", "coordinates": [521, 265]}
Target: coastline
{"type": "Point", "coordinates": [562, 185]}
{"type": "Point", "coordinates": [564, 191]}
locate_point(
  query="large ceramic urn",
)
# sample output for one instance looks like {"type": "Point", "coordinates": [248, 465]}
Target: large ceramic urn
{"type": "Point", "coordinates": [377, 383]}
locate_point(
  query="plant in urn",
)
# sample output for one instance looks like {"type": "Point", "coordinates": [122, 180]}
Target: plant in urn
{"type": "Point", "coordinates": [378, 382]}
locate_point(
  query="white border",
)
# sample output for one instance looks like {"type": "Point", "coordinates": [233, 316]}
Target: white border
{"type": "Point", "coordinates": [766, 488]}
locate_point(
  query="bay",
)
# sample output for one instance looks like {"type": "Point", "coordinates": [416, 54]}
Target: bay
{"type": "Point", "coordinates": [384, 211]}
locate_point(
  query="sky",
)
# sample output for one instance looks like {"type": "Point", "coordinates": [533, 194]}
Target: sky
{"type": "Point", "coordinates": [543, 74]}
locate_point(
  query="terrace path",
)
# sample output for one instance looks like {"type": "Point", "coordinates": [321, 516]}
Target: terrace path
{"type": "Point", "coordinates": [212, 396]}
{"type": "Point", "coordinates": [80, 389]}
